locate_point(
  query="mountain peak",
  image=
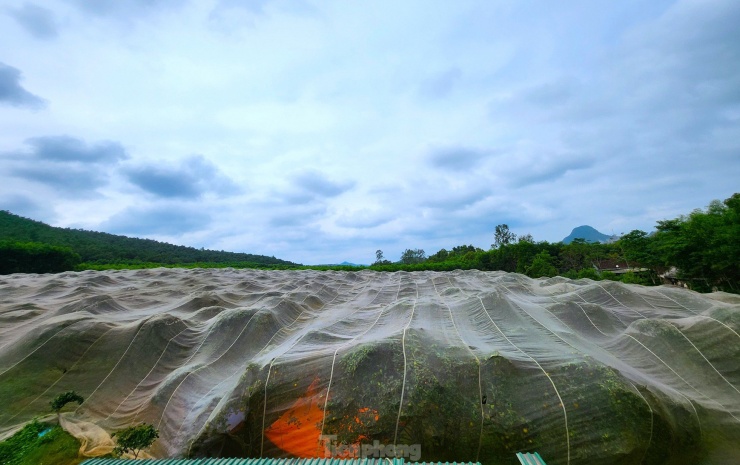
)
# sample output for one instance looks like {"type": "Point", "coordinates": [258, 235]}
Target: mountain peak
{"type": "Point", "coordinates": [588, 233]}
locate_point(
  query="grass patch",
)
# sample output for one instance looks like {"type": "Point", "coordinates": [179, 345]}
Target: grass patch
{"type": "Point", "coordinates": [40, 444]}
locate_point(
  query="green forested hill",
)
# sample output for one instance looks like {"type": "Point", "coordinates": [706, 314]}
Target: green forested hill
{"type": "Point", "coordinates": [98, 247]}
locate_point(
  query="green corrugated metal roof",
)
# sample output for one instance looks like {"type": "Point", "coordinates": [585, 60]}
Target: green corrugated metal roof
{"type": "Point", "coordinates": [268, 461]}
{"type": "Point", "coordinates": [530, 459]}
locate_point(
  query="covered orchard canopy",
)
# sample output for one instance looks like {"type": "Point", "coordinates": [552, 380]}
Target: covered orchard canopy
{"type": "Point", "coordinates": [457, 366]}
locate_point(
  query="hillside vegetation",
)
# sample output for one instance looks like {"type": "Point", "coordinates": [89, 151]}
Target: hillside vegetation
{"type": "Point", "coordinates": [700, 249]}
{"type": "Point", "coordinates": [40, 444]}
{"type": "Point", "coordinates": [96, 248]}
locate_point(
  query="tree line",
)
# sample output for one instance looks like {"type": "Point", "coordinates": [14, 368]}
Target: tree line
{"type": "Point", "coordinates": [701, 249]}
{"type": "Point", "coordinates": [97, 248]}
{"type": "Point", "coordinates": [34, 257]}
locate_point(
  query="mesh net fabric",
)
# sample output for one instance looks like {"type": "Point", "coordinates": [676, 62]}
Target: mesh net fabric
{"type": "Point", "coordinates": [94, 440]}
{"type": "Point", "coordinates": [467, 365]}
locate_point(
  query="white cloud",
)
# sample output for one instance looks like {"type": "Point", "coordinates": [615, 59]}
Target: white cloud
{"type": "Point", "coordinates": [329, 129]}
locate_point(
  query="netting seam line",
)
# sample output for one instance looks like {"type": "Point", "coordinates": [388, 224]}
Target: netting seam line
{"type": "Point", "coordinates": [40, 317]}
{"type": "Point", "coordinates": [683, 395]}
{"type": "Point", "coordinates": [512, 298]}
{"type": "Point", "coordinates": [40, 346]}
{"type": "Point", "coordinates": [646, 301]}
{"type": "Point", "coordinates": [205, 338]}
{"type": "Point", "coordinates": [403, 346]}
{"type": "Point", "coordinates": [208, 333]}
{"type": "Point", "coordinates": [264, 408]}
{"type": "Point", "coordinates": [236, 372]}
{"type": "Point", "coordinates": [700, 316]}
{"type": "Point", "coordinates": [650, 440]}
{"type": "Point", "coordinates": [190, 411]}
{"type": "Point", "coordinates": [611, 311]}
{"type": "Point", "coordinates": [566, 342]}
{"type": "Point", "coordinates": [676, 375]}
{"type": "Point", "coordinates": [60, 378]}
{"type": "Point", "coordinates": [477, 361]}
{"type": "Point", "coordinates": [685, 337]}
{"type": "Point", "coordinates": [141, 326]}
{"type": "Point", "coordinates": [714, 319]}
{"type": "Point", "coordinates": [282, 299]}
{"type": "Point", "coordinates": [147, 375]}
{"type": "Point", "coordinates": [596, 345]}
{"type": "Point", "coordinates": [334, 358]}
{"type": "Point", "coordinates": [328, 388]}
{"type": "Point", "coordinates": [332, 372]}
{"type": "Point", "coordinates": [620, 303]}
{"type": "Point", "coordinates": [398, 291]}
{"type": "Point", "coordinates": [697, 416]}
{"type": "Point", "coordinates": [676, 302]}
{"type": "Point", "coordinates": [269, 370]}
{"type": "Point", "coordinates": [682, 379]}
{"type": "Point", "coordinates": [562, 404]}
{"type": "Point", "coordinates": [575, 292]}
{"type": "Point", "coordinates": [169, 399]}
{"type": "Point", "coordinates": [566, 325]}
{"type": "Point", "coordinates": [579, 306]}
{"type": "Point", "coordinates": [702, 356]}
{"type": "Point", "coordinates": [164, 410]}
{"type": "Point", "coordinates": [589, 319]}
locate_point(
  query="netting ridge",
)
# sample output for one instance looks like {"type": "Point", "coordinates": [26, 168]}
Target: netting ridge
{"type": "Point", "coordinates": [264, 411]}
{"type": "Point", "coordinates": [477, 362]}
{"type": "Point", "coordinates": [403, 346]}
{"type": "Point", "coordinates": [164, 410]}
{"type": "Point", "coordinates": [336, 351]}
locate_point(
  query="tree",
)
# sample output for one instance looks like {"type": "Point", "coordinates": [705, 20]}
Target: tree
{"type": "Point", "coordinates": [58, 403]}
{"type": "Point", "coordinates": [577, 255]}
{"type": "Point", "coordinates": [703, 246]}
{"type": "Point", "coordinates": [502, 236]}
{"type": "Point", "coordinates": [411, 256]}
{"type": "Point", "coordinates": [380, 259]}
{"type": "Point", "coordinates": [134, 439]}
{"type": "Point", "coordinates": [526, 238]}
{"type": "Point", "coordinates": [542, 266]}
{"type": "Point", "coordinates": [635, 247]}
{"type": "Point", "coordinates": [440, 256]}
{"type": "Point", "coordinates": [589, 273]}
{"type": "Point", "coordinates": [34, 257]}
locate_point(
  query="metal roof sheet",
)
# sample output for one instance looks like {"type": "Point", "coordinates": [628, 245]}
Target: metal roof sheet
{"type": "Point", "coordinates": [530, 459]}
{"type": "Point", "coordinates": [268, 461]}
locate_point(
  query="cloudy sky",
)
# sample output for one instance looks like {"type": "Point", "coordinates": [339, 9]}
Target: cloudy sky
{"type": "Point", "coordinates": [320, 131]}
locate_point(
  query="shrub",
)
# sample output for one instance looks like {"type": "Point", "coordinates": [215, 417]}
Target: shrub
{"type": "Point", "coordinates": [134, 439]}
{"type": "Point", "coordinates": [63, 399]}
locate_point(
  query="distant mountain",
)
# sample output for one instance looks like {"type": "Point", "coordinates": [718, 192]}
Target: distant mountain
{"type": "Point", "coordinates": [589, 234]}
{"type": "Point", "coordinates": [99, 247]}
{"type": "Point", "coordinates": [345, 263]}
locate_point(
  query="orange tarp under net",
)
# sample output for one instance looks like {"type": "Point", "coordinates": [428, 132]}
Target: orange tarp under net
{"type": "Point", "coordinates": [298, 430]}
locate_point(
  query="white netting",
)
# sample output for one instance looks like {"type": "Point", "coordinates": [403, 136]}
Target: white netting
{"type": "Point", "coordinates": [94, 440]}
{"type": "Point", "coordinates": [458, 366]}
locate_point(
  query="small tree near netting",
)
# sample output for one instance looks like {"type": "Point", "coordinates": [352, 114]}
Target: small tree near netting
{"type": "Point", "coordinates": [134, 439]}
{"type": "Point", "coordinates": [58, 403]}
